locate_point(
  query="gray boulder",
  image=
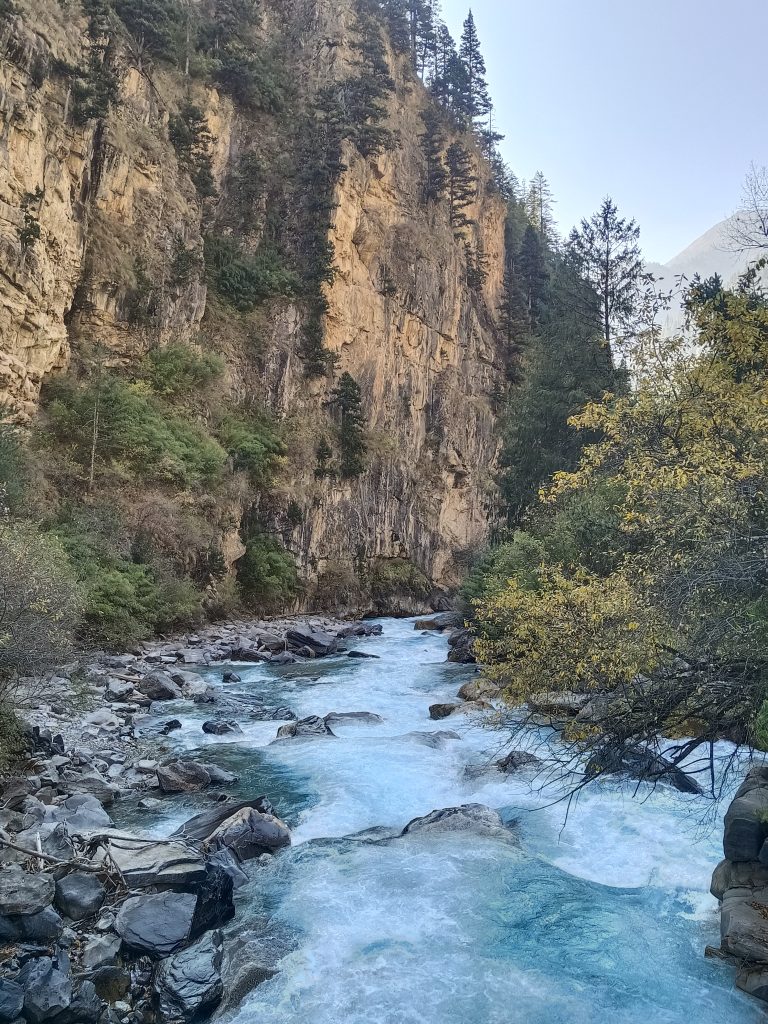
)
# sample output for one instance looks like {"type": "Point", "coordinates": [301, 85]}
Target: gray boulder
{"type": "Point", "coordinates": [22, 893]}
{"type": "Point", "coordinates": [156, 925]}
{"type": "Point", "coordinates": [517, 760]}
{"type": "Point", "coordinates": [363, 656]}
{"type": "Point", "coordinates": [479, 689]}
{"type": "Point", "coordinates": [92, 784]}
{"type": "Point", "coordinates": [321, 644]}
{"type": "Point", "coordinates": [558, 704]}
{"type": "Point", "coordinates": [754, 981]}
{"type": "Point", "coordinates": [312, 726]}
{"type": "Point", "coordinates": [738, 875]}
{"type": "Point", "coordinates": [441, 621]}
{"type": "Point", "coordinates": [462, 647]}
{"type": "Point", "coordinates": [144, 863]}
{"type": "Point", "coordinates": [215, 904]}
{"type": "Point", "coordinates": [439, 711]}
{"type": "Point", "coordinates": [48, 989]}
{"type": "Point", "coordinates": [45, 926]}
{"type": "Point", "coordinates": [188, 985]}
{"type": "Point", "coordinates": [264, 714]}
{"type": "Point", "coordinates": [15, 791]}
{"type": "Point", "coordinates": [219, 776]}
{"type": "Point", "coordinates": [248, 833]}
{"type": "Point", "coordinates": [79, 895]}
{"type": "Point", "coordinates": [746, 826]}
{"type": "Point", "coordinates": [159, 686]}
{"type": "Point", "coordinates": [183, 777]}
{"type": "Point", "coordinates": [11, 1000]}
{"type": "Point", "coordinates": [221, 728]}
{"type": "Point", "coordinates": [352, 718]}
{"type": "Point", "coordinates": [203, 825]}
{"type": "Point", "coordinates": [101, 951]}
{"type": "Point", "coordinates": [744, 924]}
{"type": "Point", "coordinates": [640, 763]}
{"type": "Point", "coordinates": [475, 818]}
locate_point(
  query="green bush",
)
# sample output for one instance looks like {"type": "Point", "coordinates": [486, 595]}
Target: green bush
{"type": "Point", "coordinates": [13, 468]}
{"type": "Point", "coordinates": [253, 444]}
{"type": "Point", "coordinates": [244, 280]}
{"type": "Point", "coordinates": [390, 576]}
{"type": "Point", "coordinates": [175, 371]}
{"type": "Point", "coordinates": [255, 82]}
{"type": "Point", "coordinates": [267, 574]}
{"type": "Point", "coordinates": [517, 558]}
{"type": "Point", "coordinates": [137, 435]}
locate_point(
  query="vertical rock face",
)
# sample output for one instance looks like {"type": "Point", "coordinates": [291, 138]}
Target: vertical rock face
{"type": "Point", "coordinates": [401, 317]}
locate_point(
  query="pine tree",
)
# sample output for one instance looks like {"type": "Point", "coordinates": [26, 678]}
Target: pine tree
{"type": "Point", "coordinates": [476, 100]}
{"type": "Point", "coordinates": [323, 455]}
{"type": "Point", "coordinates": [446, 56]}
{"type": "Point", "coordinates": [539, 205]}
{"type": "Point", "coordinates": [155, 25]}
{"type": "Point", "coordinates": [433, 144]}
{"type": "Point", "coordinates": [477, 266]}
{"type": "Point", "coordinates": [398, 25]}
{"type": "Point", "coordinates": [514, 318]}
{"type": "Point", "coordinates": [534, 274]}
{"type": "Point", "coordinates": [606, 251]}
{"type": "Point", "coordinates": [347, 400]}
{"type": "Point", "coordinates": [365, 95]}
{"type": "Point", "coordinates": [462, 184]}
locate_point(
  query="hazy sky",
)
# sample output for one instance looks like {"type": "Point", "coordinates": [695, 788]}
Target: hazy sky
{"type": "Point", "coordinates": [659, 103]}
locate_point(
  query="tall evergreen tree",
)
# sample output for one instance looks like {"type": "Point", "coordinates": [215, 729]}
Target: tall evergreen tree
{"type": "Point", "coordinates": [433, 144]}
{"type": "Point", "coordinates": [476, 100]}
{"type": "Point", "coordinates": [446, 56]}
{"type": "Point", "coordinates": [534, 273]}
{"type": "Point", "coordinates": [539, 205]}
{"type": "Point", "coordinates": [347, 400]}
{"type": "Point", "coordinates": [462, 184]}
{"type": "Point", "coordinates": [606, 251]}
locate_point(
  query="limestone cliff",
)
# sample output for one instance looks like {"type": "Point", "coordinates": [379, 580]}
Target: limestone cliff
{"type": "Point", "coordinates": [82, 197]}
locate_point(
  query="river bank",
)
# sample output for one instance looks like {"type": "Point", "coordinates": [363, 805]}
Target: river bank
{"type": "Point", "coordinates": [502, 914]}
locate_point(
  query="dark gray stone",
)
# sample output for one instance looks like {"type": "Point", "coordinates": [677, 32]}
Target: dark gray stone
{"type": "Point", "coordinates": [744, 924]}
{"type": "Point", "coordinates": [264, 714]}
{"type": "Point", "coordinates": [312, 726]}
{"type": "Point", "coordinates": [22, 893]}
{"type": "Point", "coordinates": [101, 951]}
{"type": "Point", "coordinates": [183, 777]}
{"type": "Point", "coordinates": [516, 760]}
{"type": "Point", "coordinates": [11, 1000]}
{"type": "Point", "coordinates": [157, 925]}
{"type": "Point", "coordinates": [352, 718]}
{"type": "Point", "coordinates": [363, 655]}
{"type": "Point", "coordinates": [745, 828]}
{"type": "Point", "coordinates": [158, 685]}
{"type": "Point", "coordinates": [248, 833]}
{"type": "Point", "coordinates": [79, 895]}
{"type": "Point", "coordinates": [231, 677]}
{"type": "Point", "coordinates": [215, 904]}
{"type": "Point", "coordinates": [321, 644]}
{"type": "Point", "coordinates": [188, 985]}
{"type": "Point", "coordinates": [48, 988]}
{"type": "Point", "coordinates": [642, 764]}
{"type": "Point", "coordinates": [221, 728]}
{"type": "Point", "coordinates": [44, 926]}
{"type": "Point", "coordinates": [201, 826]}
{"type": "Point", "coordinates": [14, 793]}
{"type": "Point", "coordinates": [440, 711]}
{"type": "Point", "coordinates": [441, 621]}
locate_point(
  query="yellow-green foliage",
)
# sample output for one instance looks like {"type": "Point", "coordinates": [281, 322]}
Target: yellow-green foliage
{"type": "Point", "coordinates": [684, 458]}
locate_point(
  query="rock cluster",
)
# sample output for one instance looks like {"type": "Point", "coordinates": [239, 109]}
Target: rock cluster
{"type": "Point", "coordinates": [740, 883]}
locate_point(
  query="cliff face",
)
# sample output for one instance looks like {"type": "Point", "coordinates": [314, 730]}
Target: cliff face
{"type": "Point", "coordinates": [401, 317]}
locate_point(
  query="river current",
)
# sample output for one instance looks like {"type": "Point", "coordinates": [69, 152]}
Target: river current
{"type": "Point", "coordinates": [603, 917]}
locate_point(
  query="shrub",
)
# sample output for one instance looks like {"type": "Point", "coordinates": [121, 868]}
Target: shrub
{"type": "Point", "coordinates": [13, 468]}
{"type": "Point", "coordinates": [390, 576]}
{"type": "Point", "coordinates": [253, 444]}
{"type": "Point", "coordinates": [255, 82]}
{"type": "Point", "coordinates": [267, 574]}
{"type": "Point", "coordinates": [244, 280]}
{"type": "Point", "coordinates": [178, 370]}
{"type": "Point", "coordinates": [136, 433]}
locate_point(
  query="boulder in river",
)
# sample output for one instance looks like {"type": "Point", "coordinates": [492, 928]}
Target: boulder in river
{"type": "Point", "coordinates": [744, 924]}
{"type": "Point", "coordinates": [199, 828]}
{"type": "Point", "coordinates": [352, 718]}
{"type": "Point", "coordinates": [215, 903]}
{"type": "Point", "coordinates": [188, 984]}
{"type": "Point", "coordinates": [183, 777]}
{"type": "Point", "coordinates": [441, 621]}
{"type": "Point", "coordinates": [558, 704]}
{"type": "Point", "coordinates": [248, 833]}
{"type": "Point", "coordinates": [516, 760]}
{"type": "Point", "coordinates": [159, 686]}
{"type": "Point", "coordinates": [312, 726]}
{"type": "Point", "coordinates": [440, 711]}
{"type": "Point", "coordinates": [436, 740]}
{"type": "Point", "coordinates": [221, 728]}
{"type": "Point", "coordinates": [479, 689]}
{"type": "Point", "coordinates": [363, 655]}
{"type": "Point", "coordinates": [462, 647]}
{"type": "Point", "coordinates": [746, 826]}
{"type": "Point", "coordinates": [642, 764]}
{"type": "Point", "coordinates": [321, 644]}
{"type": "Point", "coordinates": [158, 924]}
{"type": "Point", "coordinates": [475, 818]}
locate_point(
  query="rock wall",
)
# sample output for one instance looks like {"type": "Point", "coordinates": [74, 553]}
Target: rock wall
{"type": "Point", "coordinates": [740, 883]}
{"type": "Point", "coordinates": [402, 319]}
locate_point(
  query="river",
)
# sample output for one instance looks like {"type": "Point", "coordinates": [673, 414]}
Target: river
{"type": "Point", "coordinates": [602, 917]}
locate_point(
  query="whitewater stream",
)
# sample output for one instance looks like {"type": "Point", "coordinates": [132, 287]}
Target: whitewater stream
{"type": "Point", "coordinates": [603, 918]}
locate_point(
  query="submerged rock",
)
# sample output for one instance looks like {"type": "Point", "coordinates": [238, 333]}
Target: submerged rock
{"type": "Point", "coordinates": [437, 740]}
{"type": "Point", "coordinates": [475, 818]}
{"type": "Point", "coordinates": [221, 728]}
{"type": "Point", "coordinates": [479, 689]}
{"type": "Point", "coordinates": [352, 717]}
{"type": "Point", "coordinates": [312, 726]}
{"type": "Point", "coordinates": [440, 711]}
{"type": "Point", "coordinates": [516, 760]}
{"type": "Point", "coordinates": [642, 764]}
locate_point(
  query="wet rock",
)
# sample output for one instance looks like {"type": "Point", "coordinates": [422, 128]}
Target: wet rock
{"type": "Point", "coordinates": [754, 981]}
{"type": "Point", "coordinates": [250, 654]}
{"type": "Point", "coordinates": [362, 655]}
{"type": "Point", "coordinates": [437, 740]}
{"type": "Point", "coordinates": [11, 1000]}
{"type": "Point", "coordinates": [221, 728]}
{"type": "Point", "coordinates": [215, 904]}
{"type": "Point", "coordinates": [22, 893]}
{"type": "Point", "coordinates": [440, 711]}
{"type": "Point", "coordinates": [201, 826]}
{"type": "Point", "coordinates": [321, 644]}
{"type": "Point", "coordinates": [188, 985]}
{"type": "Point", "coordinates": [746, 826]}
{"type": "Point", "coordinates": [79, 895]}
{"type": "Point", "coordinates": [642, 764]}
{"type": "Point", "coordinates": [48, 989]}
{"type": "Point", "coordinates": [159, 686]}
{"type": "Point", "coordinates": [219, 776]}
{"type": "Point", "coordinates": [312, 726]}
{"type": "Point", "coordinates": [462, 647]}
{"type": "Point", "coordinates": [232, 677]}
{"type": "Point", "coordinates": [248, 833]}
{"type": "Point", "coordinates": [475, 818]}
{"type": "Point", "coordinates": [183, 777]}
{"type": "Point", "coordinates": [479, 689]}
{"type": "Point", "coordinates": [173, 725]}
{"type": "Point", "coordinates": [157, 925]}
{"type": "Point", "coordinates": [144, 863]}
{"type": "Point", "coordinates": [264, 714]}
{"type": "Point", "coordinates": [441, 621]}
{"type": "Point", "coordinates": [45, 926]}
{"type": "Point", "coordinates": [744, 924]}
{"type": "Point", "coordinates": [352, 717]}
{"type": "Point", "coordinates": [283, 658]}
{"type": "Point", "coordinates": [516, 760]}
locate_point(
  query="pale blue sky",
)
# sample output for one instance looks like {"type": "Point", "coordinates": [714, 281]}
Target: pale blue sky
{"type": "Point", "coordinates": [659, 103]}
